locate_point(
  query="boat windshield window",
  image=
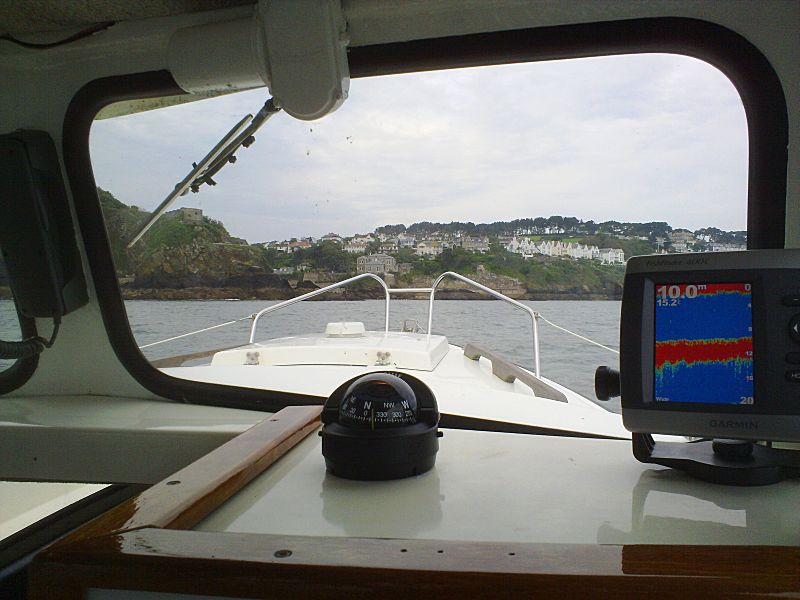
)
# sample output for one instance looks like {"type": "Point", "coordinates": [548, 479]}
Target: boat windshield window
{"type": "Point", "coordinates": [9, 320]}
{"type": "Point", "coordinates": [537, 180]}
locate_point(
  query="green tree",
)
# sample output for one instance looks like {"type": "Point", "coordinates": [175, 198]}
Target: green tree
{"type": "Point", "coordinates": [459, 260]}
{"type": "Point", "coordinates": [328, 256]}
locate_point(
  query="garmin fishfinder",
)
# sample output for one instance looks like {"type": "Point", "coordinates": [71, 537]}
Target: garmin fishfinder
{"type": "Point", "coordinates": [710, 348]}
{"type": "Point", "coordinates": [710, 345]}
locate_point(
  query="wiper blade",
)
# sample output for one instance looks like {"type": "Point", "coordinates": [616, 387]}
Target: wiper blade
{"type": "Point", "coordinates": [244, 139]}
{"type": "Point", "coordinates": [220, 155]}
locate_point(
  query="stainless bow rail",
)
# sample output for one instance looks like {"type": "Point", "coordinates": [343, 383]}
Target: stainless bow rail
{"type": "Point", "coordinates": [328, 288]}
{"type": "Point", "coordinates": [533, 314]}
{"type": "Point", "coordinates": [390, 291]}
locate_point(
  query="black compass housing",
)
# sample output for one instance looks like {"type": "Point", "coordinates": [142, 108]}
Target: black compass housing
{"type": "Point", "coordinates": [380, 426]}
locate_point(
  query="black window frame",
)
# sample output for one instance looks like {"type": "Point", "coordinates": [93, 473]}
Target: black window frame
{"type": "Point", "coordinates": [751, 73]}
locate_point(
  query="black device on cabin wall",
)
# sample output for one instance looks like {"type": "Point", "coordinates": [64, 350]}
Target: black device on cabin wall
{"type": "Point", "coordinates": [36, 234]}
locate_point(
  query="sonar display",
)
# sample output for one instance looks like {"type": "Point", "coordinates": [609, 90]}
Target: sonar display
{"type": "Point", "coordinates": [704, 343]}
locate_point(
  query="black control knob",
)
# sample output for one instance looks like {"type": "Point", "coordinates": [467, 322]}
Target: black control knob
{"type": "Point", "coordinates": [733, 450]}
{"type": "Point", "coordinates": [606, 383]}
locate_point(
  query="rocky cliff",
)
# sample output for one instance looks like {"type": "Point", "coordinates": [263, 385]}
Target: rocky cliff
{"type": "Point", "coordinates": [181, 258]}
{"type": "Point", "coordinates": [206, 271]}
{"type": "Point", "coordinates": [202, 264]}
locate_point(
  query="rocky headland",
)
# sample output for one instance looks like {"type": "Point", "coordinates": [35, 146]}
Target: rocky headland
{"type": "Point", "coordinates": [187, 256]}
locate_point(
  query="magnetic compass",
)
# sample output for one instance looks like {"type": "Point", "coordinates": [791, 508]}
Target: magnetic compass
{"type": "Point", "coordinates": [377, 402]}
{"type": "Point", "coordinates": [380, 426]}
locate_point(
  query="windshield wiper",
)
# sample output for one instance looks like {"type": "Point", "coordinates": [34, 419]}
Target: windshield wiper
{"type": "Point", "coordinates": [241, 135]}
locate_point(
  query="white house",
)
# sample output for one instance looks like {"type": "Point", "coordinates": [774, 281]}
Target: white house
{"type": "Point", "coordinates": [406, 241]}
{"type": "Point", "coordinates": [429, 248]}
{"type": "Point", "coordinates": [580, 251]}
{"type": "Point", "coordinates": [524, 246]}
{"type": "Point", "coordinates": [331, 237]}
{"type": "Point", "coordinates": [612, 256]}
{"type": "Point", "coordinates": [717, 247]}
{"type": "Point", "coordinates": [355, 247]}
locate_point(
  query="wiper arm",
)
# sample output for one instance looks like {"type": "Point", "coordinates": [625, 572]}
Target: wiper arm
{"type": "Point", "coordinates": [197, 170]}
{"type": "Point", "coordinates": [220, 155]}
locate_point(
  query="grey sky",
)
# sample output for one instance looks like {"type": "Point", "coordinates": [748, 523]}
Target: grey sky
{"type": "Point", "coordinates": [631, 138]}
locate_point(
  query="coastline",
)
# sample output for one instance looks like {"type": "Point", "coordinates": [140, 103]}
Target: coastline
{"type": "Point", "coordinates": [214, 293]}
{"type": "Point", "coordinates": [167, 294]}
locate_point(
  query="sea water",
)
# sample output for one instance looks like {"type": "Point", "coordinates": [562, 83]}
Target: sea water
{"type": "Point", "coordinates": [494, 325]}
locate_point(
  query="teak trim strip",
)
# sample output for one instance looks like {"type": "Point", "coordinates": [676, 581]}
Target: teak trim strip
{"type": "Point", "coordinates": [187, 496]}
{"type": "Point", "coordinates": [319, 568]}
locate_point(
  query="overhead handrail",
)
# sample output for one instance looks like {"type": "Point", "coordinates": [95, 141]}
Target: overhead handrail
{"type": "Point", "coordinates": [311, 294]}
{"type": "Point", "coordinates": [533, 314]}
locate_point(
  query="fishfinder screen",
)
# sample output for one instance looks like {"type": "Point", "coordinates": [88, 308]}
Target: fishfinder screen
{"type": "Point", "coordinates": [704, 343]}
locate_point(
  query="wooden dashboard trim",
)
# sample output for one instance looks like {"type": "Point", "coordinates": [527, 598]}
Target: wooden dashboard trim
{"type": "Point", "coordinates": [319, 568]}
{"type": "Point", "coordinates": [184, 498]}
{"type": "Point", "coordinates": [146, 544]}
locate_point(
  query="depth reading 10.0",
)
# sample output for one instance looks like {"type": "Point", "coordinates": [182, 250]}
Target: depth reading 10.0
{"type": "Point", "coordinates": [671, 295]}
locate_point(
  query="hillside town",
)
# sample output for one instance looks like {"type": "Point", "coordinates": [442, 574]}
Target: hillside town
{"type": "Point", "coordinates": [556, 237]}
{"type": "Point", "coordinates": [187, 255]}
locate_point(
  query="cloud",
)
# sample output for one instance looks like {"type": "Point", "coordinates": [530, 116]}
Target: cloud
{"type": "Point", "coordinates": [631, 138]}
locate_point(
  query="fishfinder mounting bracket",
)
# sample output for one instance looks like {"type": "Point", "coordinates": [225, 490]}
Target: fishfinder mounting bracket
{"type": "Point", "coordinates": [729, 462]}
